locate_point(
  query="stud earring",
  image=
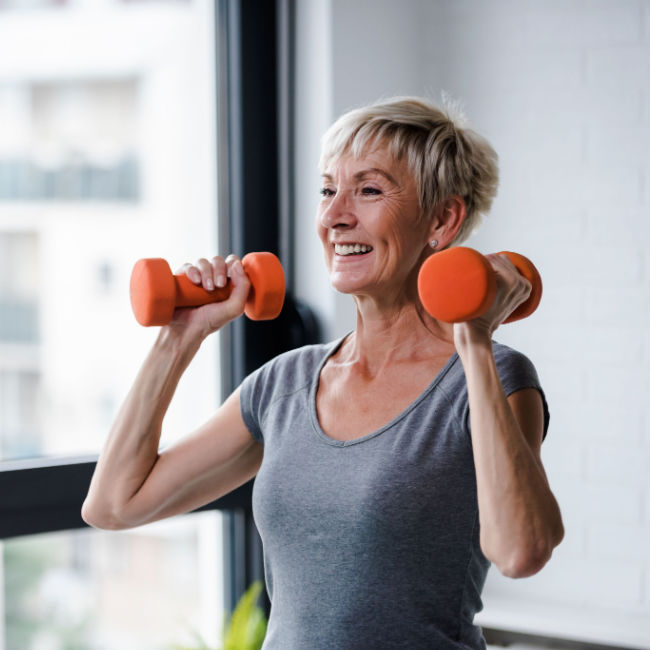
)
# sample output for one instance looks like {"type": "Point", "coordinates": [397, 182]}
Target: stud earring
{"type": "Point", "coordinates": [433, 243]}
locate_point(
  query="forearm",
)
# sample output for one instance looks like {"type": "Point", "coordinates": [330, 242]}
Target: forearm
{"type": "Point", "coordinates": [131, 449]}
{"type": "Point", "coordinates": [519, 516]}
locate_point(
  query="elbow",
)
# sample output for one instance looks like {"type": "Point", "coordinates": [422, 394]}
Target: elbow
{"type": "Point", "coordinates": [101, 518]}
{"type": "Point", "coordinates": [530, 558]}
{"type": "Point", "coordinates": [524, 563]}
{"type": "Point", "coordinates": [529, 554]}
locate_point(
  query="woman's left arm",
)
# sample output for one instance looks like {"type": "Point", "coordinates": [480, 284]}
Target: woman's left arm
{"type": "Point", "coordinates": [520, 519]}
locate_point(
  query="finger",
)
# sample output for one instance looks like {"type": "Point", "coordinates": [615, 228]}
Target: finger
{"type": "Point", "coordinates": [230, 263]}
{"type": "Point", "coordinates": [501, 262]}
{"type": "Point", "coordinates": [207, 278]}
{"type": "Point", "coordinates": [526, 287]}
{"type": "Point", "coordinates": [514, 288]}
{"type": "Point", "coordinates": [219, 271]}
{"type": "Point", "coordinates": [236, 302]}
{"type": "Point", "coordinates": [193, 274]}
{"type": "Point", "coordinates": [520, 284]}
{"type": "Point", "coordinates": [230, 259]}
{"type": "Point", "coordinates": [507, 271]}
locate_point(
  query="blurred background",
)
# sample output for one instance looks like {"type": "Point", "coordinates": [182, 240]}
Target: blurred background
{"type": "Point", "coordinates": [108, 153]}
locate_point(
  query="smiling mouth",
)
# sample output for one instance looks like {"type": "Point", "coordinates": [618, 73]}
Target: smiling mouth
{"type": "Point", "coordinates": [351, 249]}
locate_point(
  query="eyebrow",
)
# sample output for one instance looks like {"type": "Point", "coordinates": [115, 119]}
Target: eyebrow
{"type": "Point", "coordinates": [366, 172]}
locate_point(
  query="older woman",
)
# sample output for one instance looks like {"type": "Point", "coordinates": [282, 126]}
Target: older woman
{"type": "Point", "coordinates": [393, 465]}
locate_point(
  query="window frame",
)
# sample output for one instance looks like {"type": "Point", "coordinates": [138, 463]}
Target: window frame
{"type": "Point", "coordinates": [45, 495]}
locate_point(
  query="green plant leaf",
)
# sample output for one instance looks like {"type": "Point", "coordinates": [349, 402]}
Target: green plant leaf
{"type": "Point", "coordinates": [246, 628]}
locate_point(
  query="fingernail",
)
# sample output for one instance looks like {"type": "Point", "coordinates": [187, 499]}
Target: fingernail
{"type": "Point", "coordinates": [209, 285]}
{"type": "Point", "coordinates": [221, 281]}
{"type": "Point", "coordinates": [238, 268]}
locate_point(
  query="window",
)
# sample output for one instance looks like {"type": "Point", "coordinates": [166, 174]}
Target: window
{"type": "Point", "coordinates": [19, 288]}
{"type": "Point", "coordinates": [70, 140]}
{"type": "Point", "coordinates": [106, 157]}
{"type": "Point", "coordinates": [20, 430]}
{"type": "Point", "coordinates": [153, 587]}
{"type": "Point", "coordinates": [107, 161]}
{"type": "Point", "coordinates": [153, 64]}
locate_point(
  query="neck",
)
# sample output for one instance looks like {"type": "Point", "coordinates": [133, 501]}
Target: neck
{"type": "Point", "coordinates": [404, 333]}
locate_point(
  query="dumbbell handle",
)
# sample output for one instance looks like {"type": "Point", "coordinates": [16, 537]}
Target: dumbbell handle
{"type": "Point", "coordinates": [156, 292]}
{"type": "Point", "coordinates": [189, 294]}
{"type": "Point", "coordinates": [459, 284]}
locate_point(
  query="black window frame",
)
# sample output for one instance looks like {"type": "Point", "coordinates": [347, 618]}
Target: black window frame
{"type": "Point", "coordinates": [254, 72]}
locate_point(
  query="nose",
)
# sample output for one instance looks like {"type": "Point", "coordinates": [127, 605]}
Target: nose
{"type": "Point", "coordinates": [338, 212]}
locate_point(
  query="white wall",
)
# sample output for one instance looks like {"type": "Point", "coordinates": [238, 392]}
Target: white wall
{"type": "Point", "coordinates": [562, 90]}
{"type": "Point", "coordinates": [313, 111]}
{"type": "Point", "coordinates": [346, 52]}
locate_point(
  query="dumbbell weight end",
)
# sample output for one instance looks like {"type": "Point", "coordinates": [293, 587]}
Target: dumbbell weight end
{"type": "Point", "coordinates": [459, 284]}
{"type": "Point", "coordinates": [456, 285]}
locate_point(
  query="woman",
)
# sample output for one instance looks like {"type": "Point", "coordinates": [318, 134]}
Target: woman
{"type": "Point", "coordinates": [393, 466]}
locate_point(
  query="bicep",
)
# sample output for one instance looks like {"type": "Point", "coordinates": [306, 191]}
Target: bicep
{"type": "Point", "coordinates": [215, 459]}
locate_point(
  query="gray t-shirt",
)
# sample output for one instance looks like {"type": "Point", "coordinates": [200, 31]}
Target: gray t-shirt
{"type": "Point", "coordinates": [370, 543]}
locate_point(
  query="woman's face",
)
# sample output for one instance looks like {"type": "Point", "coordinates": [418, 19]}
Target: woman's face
{"type": "Point", "coordinates": [369, 223]}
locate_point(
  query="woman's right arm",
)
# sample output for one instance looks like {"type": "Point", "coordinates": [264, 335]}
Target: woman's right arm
{"type": "Point", "coordinates": [134, 483]}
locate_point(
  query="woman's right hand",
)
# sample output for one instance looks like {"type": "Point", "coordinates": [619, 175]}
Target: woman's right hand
{"type": "Point", "coordinates": [211, 274]}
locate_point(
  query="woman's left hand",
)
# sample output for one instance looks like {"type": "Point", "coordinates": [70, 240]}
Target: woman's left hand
{"type": "Point", "coordinates": [512, 290]}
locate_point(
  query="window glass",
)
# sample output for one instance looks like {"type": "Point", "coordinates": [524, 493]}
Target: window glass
{"type": "Point", "coordinates": [78, 141]}
{"type": "Point", "coordinates": [157, 587]}
{"type": "Point", "coordinates": [19, 335]}
{"type": "Point", "coordinates": [107, 155]}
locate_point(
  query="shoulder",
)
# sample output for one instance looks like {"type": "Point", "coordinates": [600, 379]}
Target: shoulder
{"type": "Point", "coordinates": [516, 372]}
{"type": "Point", "coordinates": [296, 365]}
{"type": "Point", "coordinates": [515, 369]}
{"type": "Point", "coordinates": [288, 372]}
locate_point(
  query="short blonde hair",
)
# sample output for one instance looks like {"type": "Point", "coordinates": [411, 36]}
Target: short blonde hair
{"type": "Point", "coordinates": [444, 156]}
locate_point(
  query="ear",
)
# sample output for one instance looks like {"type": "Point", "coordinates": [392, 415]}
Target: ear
{"type": "Point", "coordinates": [447, 220]}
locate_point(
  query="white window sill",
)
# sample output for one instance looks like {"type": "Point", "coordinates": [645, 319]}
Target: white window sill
{"type": "Point", "coordinates": [587, 625]}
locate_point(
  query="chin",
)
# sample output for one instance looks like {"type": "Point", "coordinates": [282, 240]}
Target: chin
{"type": "Point", "coordinates": [344, 285]}
{"type": "Point", "coordinates": [342, 288]}
{"type": "Point", "coordinates": [350, 288]}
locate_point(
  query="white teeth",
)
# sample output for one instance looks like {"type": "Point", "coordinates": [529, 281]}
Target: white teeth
{"type": "Point", "coordinates": [351, 249]}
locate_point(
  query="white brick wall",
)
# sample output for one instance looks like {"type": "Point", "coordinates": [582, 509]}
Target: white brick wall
{"type": "Point", "coordinates": [562, 90]}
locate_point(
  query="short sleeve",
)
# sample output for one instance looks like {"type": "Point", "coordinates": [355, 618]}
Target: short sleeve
{"type": "Point", "coordinates": [517, 372]}
{"type": "Point", "coordinates": [281, 376]}
{"type": "Point", "coordinates": [249, 402]}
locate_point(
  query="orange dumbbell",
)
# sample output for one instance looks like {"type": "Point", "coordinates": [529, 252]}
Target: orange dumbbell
{"type": "Point", "coordinates": [156, 292]}
{"type": "Point", "coordinates": [459, 284]}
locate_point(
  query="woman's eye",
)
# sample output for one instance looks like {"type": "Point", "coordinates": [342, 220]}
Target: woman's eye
{"type": "Point", "coordinates": [325, 191]}
{"type": "Point", "coordinates": [371, 190]}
